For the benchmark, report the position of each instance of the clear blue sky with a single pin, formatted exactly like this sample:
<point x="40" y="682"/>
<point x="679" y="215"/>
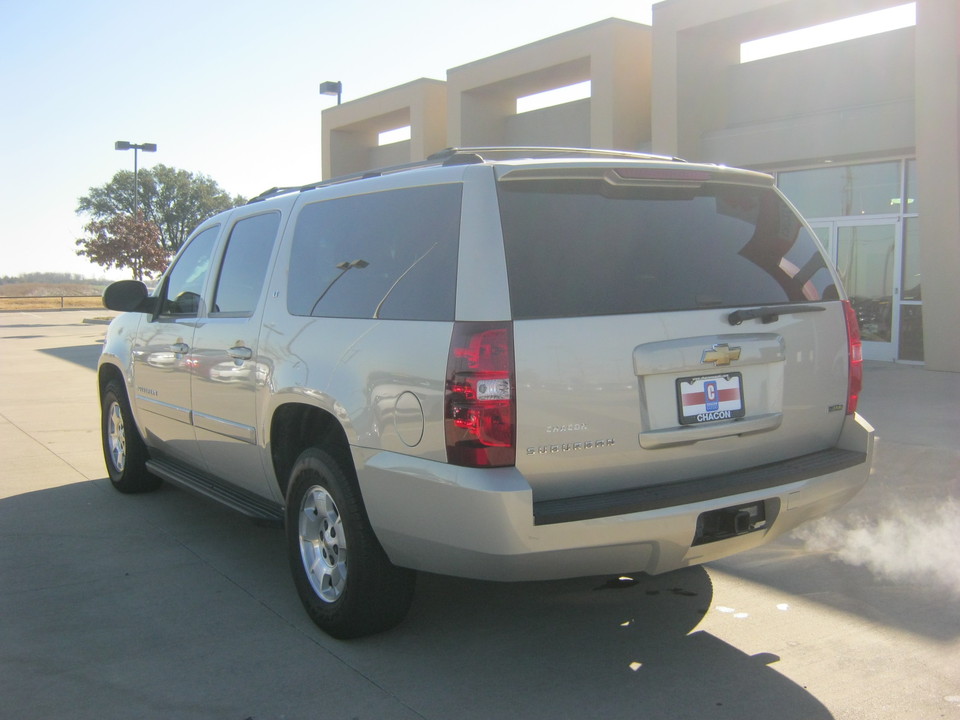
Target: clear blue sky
<point x="226" y="89"/>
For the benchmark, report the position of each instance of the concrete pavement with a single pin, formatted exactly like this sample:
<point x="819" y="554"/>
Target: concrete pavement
<point x="166" y="606"/>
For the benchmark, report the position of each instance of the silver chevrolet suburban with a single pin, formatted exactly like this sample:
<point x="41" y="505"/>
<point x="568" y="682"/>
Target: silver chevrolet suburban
<point x="500" y="363"/>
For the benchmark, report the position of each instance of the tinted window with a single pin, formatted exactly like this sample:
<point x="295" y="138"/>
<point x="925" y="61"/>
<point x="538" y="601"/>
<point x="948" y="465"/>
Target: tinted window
<point x="588" y="248"/>
<point x="185" y="284"/>
<point x="391" y="255"/>
<point x="245" y="263"/>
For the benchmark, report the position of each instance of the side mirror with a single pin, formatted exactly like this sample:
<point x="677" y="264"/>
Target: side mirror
<point x="128" y="296"/>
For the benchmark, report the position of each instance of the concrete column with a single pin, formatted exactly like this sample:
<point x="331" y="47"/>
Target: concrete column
<point x="428" y="122"/>
<point x="620" y="89"/>
<point x="938" y="178"/>
<point x="665" y="107"/>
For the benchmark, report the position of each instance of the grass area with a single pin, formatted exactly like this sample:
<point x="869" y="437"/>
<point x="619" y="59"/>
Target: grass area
<point x="50" y="296"/>
<point x="87" y="302"/>
<point x="42" y="289"/>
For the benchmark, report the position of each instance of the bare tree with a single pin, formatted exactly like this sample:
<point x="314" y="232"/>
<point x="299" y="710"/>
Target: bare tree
<point x="124" y="241"/>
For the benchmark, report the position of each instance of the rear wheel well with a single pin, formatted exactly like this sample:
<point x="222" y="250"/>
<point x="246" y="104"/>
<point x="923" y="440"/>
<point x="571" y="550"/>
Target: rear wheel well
<point x="298" y="427"/>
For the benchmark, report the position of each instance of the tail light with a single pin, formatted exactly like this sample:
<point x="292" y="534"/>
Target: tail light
<point x="855" y="350"/>
<point x="480" y="400"/>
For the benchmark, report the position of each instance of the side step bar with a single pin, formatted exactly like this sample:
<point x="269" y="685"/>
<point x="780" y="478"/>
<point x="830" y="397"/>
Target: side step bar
<point x="238" y="499"/>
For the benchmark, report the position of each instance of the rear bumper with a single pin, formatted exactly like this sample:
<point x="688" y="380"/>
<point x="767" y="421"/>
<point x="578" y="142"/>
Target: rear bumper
<point x="484" y="524"/>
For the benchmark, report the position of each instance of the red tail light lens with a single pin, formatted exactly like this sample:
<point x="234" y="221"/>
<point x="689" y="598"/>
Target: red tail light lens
<point x="480" y="397"/>
<point x="855" y="349"/>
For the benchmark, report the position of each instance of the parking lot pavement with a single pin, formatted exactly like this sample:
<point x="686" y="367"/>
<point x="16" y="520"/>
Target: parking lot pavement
<point x="165" y="606"/>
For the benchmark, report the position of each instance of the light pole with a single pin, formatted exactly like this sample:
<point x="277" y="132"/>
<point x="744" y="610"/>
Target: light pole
<point x="146" y="147"/>
<point x="332" y="87"/>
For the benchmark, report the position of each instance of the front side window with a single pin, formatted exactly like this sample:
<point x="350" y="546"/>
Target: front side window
<point x="245" y="262"/>
<point x="184" y="286"/>
<point x="583" y="248"/>
<point x="390" y="255"/>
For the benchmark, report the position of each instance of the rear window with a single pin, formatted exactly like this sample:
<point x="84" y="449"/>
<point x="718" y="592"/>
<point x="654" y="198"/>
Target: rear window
<point x="390" y="255"/>
<point x="586" y="247"/>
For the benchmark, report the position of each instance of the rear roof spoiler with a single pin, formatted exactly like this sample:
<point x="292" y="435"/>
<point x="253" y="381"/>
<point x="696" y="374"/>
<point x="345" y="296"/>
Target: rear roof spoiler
<point x="473" y="156"/>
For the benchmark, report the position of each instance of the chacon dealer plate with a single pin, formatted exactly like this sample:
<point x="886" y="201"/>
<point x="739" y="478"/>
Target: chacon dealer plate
<point x="710" y="398"/>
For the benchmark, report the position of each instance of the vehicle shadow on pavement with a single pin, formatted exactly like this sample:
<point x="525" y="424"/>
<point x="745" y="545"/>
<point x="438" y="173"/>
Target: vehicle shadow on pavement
<point x="180" y="608"/>
<point x="589" y="647"/>
<point x="84" y="355"/>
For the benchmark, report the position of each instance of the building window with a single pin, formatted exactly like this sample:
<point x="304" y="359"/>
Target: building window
<point x="866" y="218"/>
<point x="911" y="202"/>
<point x="911" y="260"/>
<point x="844" y="190"/>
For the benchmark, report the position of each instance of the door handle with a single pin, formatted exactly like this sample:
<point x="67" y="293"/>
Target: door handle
<point x="240" y="353"/>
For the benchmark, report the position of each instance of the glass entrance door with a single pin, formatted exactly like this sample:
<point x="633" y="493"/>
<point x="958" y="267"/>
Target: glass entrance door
<point x="867" y="254"/>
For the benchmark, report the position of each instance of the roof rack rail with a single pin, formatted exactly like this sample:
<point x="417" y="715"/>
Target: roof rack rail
<point x="466" y="155"/>
<point x="362" y="175"/>
<point x="469" y="156"/>
<point x="273" y="192"/>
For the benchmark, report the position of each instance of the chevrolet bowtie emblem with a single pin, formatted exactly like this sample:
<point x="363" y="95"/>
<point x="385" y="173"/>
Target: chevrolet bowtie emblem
<point x="721" y="354"/>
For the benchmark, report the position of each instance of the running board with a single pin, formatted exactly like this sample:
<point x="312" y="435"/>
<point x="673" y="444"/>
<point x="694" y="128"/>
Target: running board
<point x="238" y="499"/>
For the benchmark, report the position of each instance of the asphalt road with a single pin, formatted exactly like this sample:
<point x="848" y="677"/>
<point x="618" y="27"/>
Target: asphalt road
<point x="166" y="606"/>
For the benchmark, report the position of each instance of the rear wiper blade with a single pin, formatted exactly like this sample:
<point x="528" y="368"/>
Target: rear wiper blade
<point x="770" y="313"/>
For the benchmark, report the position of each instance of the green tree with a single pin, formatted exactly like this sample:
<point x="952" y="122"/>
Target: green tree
<point x="176" y="201"/>
<point x="125" y="241"/>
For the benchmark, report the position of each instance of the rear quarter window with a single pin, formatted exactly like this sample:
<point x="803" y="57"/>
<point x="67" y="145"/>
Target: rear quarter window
<point x="585" y="247"/>
<point x="390" y="255"/>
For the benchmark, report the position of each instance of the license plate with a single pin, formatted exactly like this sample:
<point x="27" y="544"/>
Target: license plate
<point x="710" y="398"/>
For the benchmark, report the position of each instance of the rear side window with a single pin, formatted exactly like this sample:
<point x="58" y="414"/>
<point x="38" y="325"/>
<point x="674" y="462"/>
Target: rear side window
<point x="390" y="255"/>
<point x="245" y="264"/>
<point x="586" y="247"/>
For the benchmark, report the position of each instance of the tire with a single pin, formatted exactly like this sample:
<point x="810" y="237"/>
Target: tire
<point x="124" y="451"/>
<point x="346" y="583"/>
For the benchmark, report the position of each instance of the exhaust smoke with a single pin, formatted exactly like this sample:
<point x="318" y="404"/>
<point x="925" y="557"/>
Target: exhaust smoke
<point x="916" y="543"/>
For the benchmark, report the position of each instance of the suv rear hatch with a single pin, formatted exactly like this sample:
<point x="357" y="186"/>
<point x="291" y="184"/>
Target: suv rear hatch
<point x="671" y="323"/>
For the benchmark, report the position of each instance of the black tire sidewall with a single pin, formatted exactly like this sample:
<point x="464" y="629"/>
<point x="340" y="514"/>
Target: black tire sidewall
<point x="377" y="594"/>
<point x="109" y="399"/>
<point x="134" y="478"/>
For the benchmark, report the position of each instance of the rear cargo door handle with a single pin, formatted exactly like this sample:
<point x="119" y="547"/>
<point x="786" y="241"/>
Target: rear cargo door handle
<point x="239" y="352"/>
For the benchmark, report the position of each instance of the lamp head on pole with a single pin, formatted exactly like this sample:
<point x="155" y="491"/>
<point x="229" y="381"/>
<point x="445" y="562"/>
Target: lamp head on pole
<point x="146" y="147"/>
<point x="125" y="145"/>
<point x="332" y="87"/>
